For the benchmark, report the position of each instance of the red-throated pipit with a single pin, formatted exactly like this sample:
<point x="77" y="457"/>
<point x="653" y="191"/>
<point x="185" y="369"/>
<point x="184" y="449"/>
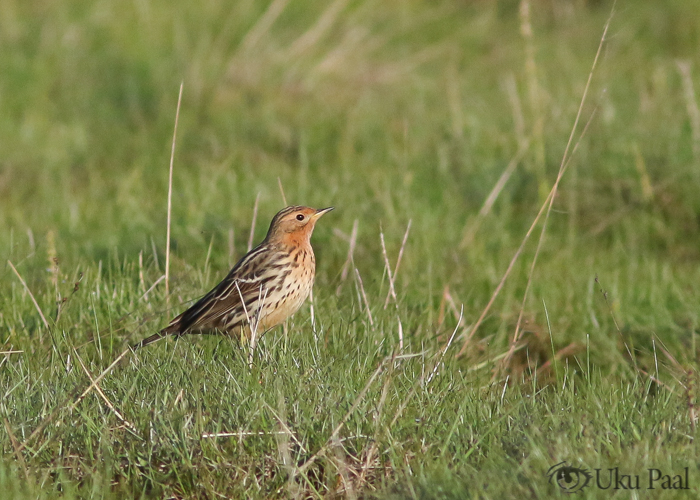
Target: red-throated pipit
<point x="267" y="286"/>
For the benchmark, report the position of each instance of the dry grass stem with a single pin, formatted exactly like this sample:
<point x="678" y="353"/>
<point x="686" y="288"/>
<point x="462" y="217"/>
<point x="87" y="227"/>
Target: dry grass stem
<point x="547" y="205"/>
<point x="178" y="398"/>
<point x="252" y="324"/>
<point x="691" y="104"/>
<point x="60" y="408"/>
<point x="231" y="247"/>
<point x="347" y="415"/>
<point x="471" y="229"/>
<point x="52" y="257"/>
<point x="170" y="196"/>
<point x="656" y="359"/>
<point x="364" y="297"/>
<point x="511" y="88"/>
<point x="31" y="295"/>
<point x="534" y="92"/>
<point x="284" y="198"/>
<point x="446" y="300"/>
<point x="207" y="259"/>
<point x="283" y="443"/>
<point x="387" y="267"/>
<point x="644" y="177"/>
<point x="252" y="224"/>
<point x="344" y="470"/>
<point x="314" y="34"/>
<point x="284" y="428"/>
<point x="155" y="283"/>
<point x="265" y="22"/>
<point x="103" y="396"/>
<point x="490" y="361"/>
<point x="446" y="347"/>
<point x="658" y="382"/>
<point x="691" y="398"/>
<point x="142" y="282"/>
<point x="96" y="381"/>
<point x="437" y="359"/>
<point x="670" y="357"/>
<point x="16" y="448"/>
<point x="41" y="427"/>
<point x="312" y="312"/>
<point x="240" y="434"/>
<point x="617" y="326"/>
<point x="398" y="260"/>
<point x="349" y="260"/>
<point x="369" y="457"/>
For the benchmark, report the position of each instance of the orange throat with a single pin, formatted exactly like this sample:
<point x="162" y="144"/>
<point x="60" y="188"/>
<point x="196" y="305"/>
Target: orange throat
<point x="297" y="239"/>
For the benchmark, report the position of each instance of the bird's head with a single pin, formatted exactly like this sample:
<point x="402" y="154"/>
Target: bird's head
<point x="294" y="223"/>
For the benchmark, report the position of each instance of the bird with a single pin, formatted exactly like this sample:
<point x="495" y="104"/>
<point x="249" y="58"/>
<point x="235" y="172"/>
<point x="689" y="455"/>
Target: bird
<point x="267" y="286"/>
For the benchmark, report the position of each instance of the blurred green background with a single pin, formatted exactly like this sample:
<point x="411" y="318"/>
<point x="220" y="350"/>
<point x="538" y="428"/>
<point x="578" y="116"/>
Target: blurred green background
<point x="413" y="108"/>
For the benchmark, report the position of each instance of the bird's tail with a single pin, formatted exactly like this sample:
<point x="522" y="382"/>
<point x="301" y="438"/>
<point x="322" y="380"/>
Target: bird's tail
<point x="172" y="329"/>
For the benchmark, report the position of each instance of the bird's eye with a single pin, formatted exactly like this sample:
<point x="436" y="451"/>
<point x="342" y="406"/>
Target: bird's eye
<point x="300" y="217"/>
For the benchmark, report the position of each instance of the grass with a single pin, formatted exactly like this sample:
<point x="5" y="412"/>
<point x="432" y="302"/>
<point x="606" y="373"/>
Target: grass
<point x="395" y="113"/>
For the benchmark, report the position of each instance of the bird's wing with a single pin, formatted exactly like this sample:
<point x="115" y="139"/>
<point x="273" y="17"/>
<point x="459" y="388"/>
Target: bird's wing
<point x="237" y="299"/>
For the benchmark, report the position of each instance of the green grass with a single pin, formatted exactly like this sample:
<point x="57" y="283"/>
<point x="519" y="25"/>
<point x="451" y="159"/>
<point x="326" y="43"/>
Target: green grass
<point x="391" y="112"/>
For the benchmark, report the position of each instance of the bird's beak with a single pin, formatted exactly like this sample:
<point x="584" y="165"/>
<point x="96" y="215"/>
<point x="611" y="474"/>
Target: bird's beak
<point x="320" y="212"/>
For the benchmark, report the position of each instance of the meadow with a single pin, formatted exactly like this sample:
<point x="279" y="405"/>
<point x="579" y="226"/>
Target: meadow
<point x="509" y="279"/>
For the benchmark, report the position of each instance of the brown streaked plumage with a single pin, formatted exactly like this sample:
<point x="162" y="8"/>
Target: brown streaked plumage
<point x="267" y="286"/>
